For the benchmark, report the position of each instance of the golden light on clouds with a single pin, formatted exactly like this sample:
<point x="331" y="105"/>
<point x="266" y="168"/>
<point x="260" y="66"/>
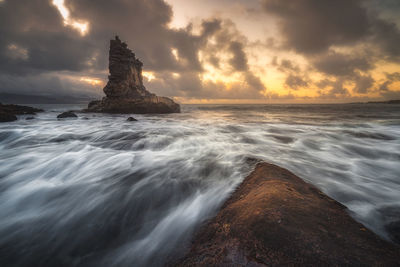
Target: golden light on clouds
<point x="210" y="50"/>
<point x="149" y="75"/>
<point x="174" y="52"/>
<point x="91" y="81"/>
<point x="17" y="52"/>
<point x="81" y="26"/>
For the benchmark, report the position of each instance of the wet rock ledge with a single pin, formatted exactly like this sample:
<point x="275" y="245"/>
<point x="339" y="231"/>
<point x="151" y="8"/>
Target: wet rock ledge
<point x="274" y="218"/>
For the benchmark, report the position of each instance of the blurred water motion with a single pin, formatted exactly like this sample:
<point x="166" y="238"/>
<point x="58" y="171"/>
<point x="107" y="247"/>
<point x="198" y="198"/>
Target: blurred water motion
<point x="107" y="192"/>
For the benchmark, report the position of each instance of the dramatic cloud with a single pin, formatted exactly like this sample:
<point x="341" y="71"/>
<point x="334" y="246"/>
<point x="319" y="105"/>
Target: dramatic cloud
<point x="295" y="82"/>
<point x="342" y="40"/>
<point x="285" y="65"/>
<point x="267" y="49"/>
<point x="390" y="79"/>
<point x="363" y="84"/>
<point x="339" y="64"/>
<point x="312" y="26"/>
<point x="239" y="59"/>
<point x="335" y="88"/>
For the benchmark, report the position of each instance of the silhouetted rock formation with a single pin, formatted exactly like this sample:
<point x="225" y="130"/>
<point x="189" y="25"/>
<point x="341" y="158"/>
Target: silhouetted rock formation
<point x="276" y="219"/>
<point x="8" y="112"/>
<point x="7" y="117"/>
<point x="131" y="119"/>
<point x="125" y="92"/>
<point x="67" y="114"/>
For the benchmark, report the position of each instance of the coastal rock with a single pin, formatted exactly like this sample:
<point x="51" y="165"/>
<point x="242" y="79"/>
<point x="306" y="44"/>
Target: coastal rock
<point x="131" y="119"/>
<point x="19" y="110"/>
<point x="8" y="112"/>
<point x="125" y="92"/>
<point x="7" y="117"/>
<point x="274" y="218"/>
<point x="67" y="114"/>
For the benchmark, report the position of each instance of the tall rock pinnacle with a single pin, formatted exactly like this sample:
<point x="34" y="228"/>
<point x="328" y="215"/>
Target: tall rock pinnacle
<point x="125" y="92"/>
<point x="125" y="78"/>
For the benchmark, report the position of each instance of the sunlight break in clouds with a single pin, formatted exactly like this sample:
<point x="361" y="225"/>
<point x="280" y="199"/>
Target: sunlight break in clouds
<point x="81" y="26"/>
<point x="149" y="75"/>
<point x="92" y="81"/>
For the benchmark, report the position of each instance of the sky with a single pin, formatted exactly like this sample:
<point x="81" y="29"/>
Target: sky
<point x="207" y="51"/>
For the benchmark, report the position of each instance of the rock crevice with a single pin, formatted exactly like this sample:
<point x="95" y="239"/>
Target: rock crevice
<point x="125" y="92"/>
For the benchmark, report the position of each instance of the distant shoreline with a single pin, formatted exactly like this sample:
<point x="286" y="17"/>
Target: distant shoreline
<point x="397" y="101"/>
<point x="9" y="98"/>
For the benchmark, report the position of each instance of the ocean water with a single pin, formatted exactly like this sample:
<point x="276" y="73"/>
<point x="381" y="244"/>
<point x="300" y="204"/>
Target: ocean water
<point x="101" y="191"/>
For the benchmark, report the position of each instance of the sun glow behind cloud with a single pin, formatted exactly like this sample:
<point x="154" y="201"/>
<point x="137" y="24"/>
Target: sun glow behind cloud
<point x="81" y="26"/>
<point x="149" y="75"/>
<point x="92" y="81"/>
<point x="17" y="52"/>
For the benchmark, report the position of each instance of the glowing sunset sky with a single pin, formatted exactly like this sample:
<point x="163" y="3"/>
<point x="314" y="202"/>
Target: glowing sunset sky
<point x="207" y="51"/>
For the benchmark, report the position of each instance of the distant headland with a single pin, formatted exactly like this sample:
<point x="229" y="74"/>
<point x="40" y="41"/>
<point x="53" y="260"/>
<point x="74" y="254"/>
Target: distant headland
<point x="396" y="101"/>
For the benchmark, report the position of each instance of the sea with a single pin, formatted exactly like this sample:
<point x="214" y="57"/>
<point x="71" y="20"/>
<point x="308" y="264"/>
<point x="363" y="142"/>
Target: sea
<point x="103" y="191"/>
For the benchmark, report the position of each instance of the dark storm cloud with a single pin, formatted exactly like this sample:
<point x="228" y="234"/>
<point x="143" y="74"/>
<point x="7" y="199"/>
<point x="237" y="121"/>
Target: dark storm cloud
<point x="210" y="27"/>
<point x="335" y="88"/>
<point x="285" y="65"/>
<point x="35" y="41"/>
<point x="388" y="38"/>
<point x="226" y="40"/>
<point x="384" y="89"/>
<point x="288" y="65"/>
<point x="214" y="61"/>
<point x="36" y="28"/>
<point x="390" y="79"/>
<point x="316" y="28"/>
<point x="239" y="58"/>
<point x="363" y="83"/>
<point x="339" y="64"/>
<point x="254" y="83"/>
<point x="312" y="26"/>
<point x="295" y="81"/>
<point x="141" y="24"/>
<point x="45" y="84"/>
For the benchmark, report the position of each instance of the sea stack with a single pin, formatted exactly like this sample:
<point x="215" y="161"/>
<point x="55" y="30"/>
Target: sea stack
<point x="125" y="92"/>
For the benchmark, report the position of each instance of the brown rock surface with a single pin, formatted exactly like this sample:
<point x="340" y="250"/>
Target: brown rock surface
<point x="274" y="218"/>
<point x="125" y="92"/>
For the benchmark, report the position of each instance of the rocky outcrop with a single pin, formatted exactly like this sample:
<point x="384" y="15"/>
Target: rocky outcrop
<point x="67" y="114"/>
<point x="131" y="119"/>
<point x="125" y="92"/>
<point x="18" y="110"/>
<point x="7" y="117"/>
<point x="276" y="219"/>
<point x="8" y="112"/>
